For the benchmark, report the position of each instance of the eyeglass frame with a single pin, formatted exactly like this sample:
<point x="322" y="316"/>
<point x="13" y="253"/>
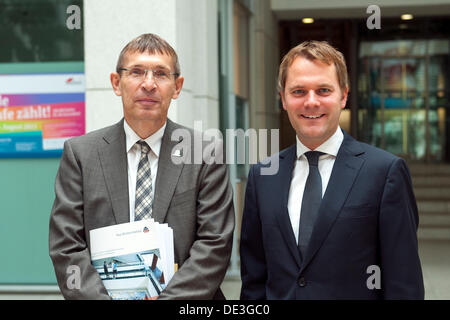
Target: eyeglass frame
<point x="146" y="72"/>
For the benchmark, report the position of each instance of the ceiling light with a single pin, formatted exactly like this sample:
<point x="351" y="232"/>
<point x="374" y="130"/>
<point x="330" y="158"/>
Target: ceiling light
<point x="308" y="20"/>
<point x="406" y="16"/>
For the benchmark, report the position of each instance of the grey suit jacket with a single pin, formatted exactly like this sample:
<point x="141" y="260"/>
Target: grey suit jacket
<point x="91" y="191"/>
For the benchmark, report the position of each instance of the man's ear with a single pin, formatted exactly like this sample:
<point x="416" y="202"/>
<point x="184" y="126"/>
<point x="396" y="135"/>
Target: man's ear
<point x="344" y="98"/>
<point x="282" y="100"/>
<point x="115" y="82"/>
<point x="178" y="86"/>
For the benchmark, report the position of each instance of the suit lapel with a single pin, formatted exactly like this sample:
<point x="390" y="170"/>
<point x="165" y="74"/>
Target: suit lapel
<point x="343" y="175"/>
<point x="168" y="173"/>
<point x="287" y="162"/>
<point x="113" y="159"/>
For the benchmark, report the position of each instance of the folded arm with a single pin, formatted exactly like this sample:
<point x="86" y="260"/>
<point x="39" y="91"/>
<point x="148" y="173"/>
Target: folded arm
<point x="203" y="271"/>
<point x="67" y="244"/>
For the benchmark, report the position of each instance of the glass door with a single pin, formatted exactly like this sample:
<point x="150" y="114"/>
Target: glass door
<point x="403" y="97"/>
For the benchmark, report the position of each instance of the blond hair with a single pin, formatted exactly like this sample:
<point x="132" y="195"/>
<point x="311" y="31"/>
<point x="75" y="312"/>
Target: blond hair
<point x="315" y="50"/>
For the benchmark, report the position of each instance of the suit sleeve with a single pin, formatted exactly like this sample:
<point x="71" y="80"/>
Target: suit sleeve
<point x="253" y="261"/>
<point x="76" y="276"/>
<point x="202" y="273"/>
<point x="401" y="273"/>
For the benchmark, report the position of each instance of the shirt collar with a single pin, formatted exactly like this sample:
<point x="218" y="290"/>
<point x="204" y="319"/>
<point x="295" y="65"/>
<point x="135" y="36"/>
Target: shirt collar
<point x="330" y="146"/>
<point x="154" y="141"/>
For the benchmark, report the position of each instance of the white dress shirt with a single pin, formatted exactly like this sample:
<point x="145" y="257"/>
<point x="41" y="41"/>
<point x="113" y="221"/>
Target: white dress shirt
<point x="134" y="155"/>
<point x="301" y="171"/>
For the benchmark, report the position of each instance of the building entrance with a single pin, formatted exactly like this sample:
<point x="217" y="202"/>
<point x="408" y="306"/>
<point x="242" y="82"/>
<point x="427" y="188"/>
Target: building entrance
<point x="403" y="97"/>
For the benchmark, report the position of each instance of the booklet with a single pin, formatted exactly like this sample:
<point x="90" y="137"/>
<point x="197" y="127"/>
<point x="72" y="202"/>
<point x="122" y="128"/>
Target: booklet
<point x="134" y="260"/>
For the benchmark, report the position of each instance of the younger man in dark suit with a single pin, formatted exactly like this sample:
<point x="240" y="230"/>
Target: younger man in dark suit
<point x="339" y="219"/>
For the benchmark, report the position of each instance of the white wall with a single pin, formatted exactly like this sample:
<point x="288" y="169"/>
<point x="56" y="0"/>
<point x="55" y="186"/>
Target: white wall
<point x="264" y="113"/>
<point x="197" y="46"/>
<point x="189" y="26"/>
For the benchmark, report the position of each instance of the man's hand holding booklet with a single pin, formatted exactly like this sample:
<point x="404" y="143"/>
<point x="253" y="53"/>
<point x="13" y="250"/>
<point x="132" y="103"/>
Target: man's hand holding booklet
<point x="134" y="260"/>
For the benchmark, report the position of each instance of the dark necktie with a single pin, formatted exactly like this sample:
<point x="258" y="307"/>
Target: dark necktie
<point x="144" y="198"/>
<point x="312" y="196"/>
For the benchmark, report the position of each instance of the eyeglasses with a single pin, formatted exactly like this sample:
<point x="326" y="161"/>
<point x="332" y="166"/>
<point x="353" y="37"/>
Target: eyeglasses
<point x="139" y="74"/>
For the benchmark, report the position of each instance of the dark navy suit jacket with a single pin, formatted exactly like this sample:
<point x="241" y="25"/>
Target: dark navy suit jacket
<point x="368" y="217"/>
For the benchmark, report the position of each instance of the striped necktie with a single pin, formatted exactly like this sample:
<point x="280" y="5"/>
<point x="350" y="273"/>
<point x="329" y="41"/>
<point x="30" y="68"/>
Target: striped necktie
<point x="144" y="197"/>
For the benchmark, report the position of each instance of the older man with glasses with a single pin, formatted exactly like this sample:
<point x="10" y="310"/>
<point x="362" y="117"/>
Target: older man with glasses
<point x="125" y="173"/>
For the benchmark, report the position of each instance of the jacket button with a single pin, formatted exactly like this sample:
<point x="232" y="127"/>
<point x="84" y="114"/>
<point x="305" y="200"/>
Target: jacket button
<point x="301" y="282"/>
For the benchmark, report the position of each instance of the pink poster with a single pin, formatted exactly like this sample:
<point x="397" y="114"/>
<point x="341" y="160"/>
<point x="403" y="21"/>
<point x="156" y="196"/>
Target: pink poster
<point x="38" y="112"/>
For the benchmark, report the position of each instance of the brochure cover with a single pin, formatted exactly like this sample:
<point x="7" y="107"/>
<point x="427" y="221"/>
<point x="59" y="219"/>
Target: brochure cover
<point x="134" y="260"/>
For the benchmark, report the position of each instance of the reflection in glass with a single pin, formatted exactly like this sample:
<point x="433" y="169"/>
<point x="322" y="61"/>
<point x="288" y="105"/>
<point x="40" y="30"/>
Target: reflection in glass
<point x="403" y="97"/>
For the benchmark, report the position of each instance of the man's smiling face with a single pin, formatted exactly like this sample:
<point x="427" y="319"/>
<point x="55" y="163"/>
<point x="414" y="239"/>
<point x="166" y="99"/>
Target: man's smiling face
<point x="313" y="100"/>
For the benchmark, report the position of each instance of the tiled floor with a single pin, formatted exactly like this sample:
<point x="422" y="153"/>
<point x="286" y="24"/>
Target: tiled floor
<point x="435" y="259"/>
